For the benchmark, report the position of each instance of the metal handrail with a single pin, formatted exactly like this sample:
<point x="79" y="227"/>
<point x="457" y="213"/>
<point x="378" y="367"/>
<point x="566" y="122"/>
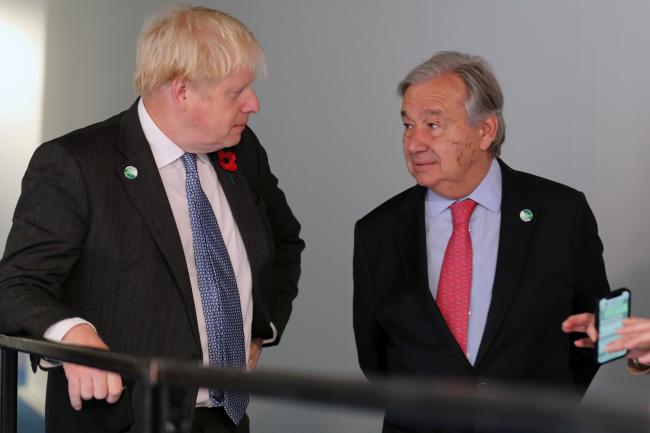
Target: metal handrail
<point x="496" y="406"/>
<point x="132" y="366"/>
<point x="8" y="390"/>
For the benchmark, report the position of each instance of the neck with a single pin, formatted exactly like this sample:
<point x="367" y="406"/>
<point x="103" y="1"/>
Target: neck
<point x="473" y="178"/>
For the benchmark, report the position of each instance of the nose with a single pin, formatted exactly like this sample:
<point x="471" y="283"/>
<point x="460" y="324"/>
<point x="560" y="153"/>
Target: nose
<point x="251" y="103"/>
<point x="415" y="140"/>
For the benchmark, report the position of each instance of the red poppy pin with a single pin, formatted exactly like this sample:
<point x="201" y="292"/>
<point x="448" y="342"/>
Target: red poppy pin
<point x="227" y="160"/>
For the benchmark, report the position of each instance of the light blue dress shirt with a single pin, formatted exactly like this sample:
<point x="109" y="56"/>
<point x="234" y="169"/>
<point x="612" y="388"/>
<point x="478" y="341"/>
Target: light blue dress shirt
<point x="484" y="226"/>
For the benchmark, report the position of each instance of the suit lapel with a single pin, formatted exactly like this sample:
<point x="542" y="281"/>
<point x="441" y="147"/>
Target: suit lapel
<point x="149" y="199"/>
<point x="243" y="206"/>
<point x="410" y="237"/>
<point x="514" y="244"/>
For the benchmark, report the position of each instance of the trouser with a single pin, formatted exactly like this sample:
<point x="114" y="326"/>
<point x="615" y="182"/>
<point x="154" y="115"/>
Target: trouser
<point x="215" y="420"/>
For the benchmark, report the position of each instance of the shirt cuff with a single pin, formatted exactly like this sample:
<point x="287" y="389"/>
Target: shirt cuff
<point x="57" y="331"/>
<point x="275" y="335"/>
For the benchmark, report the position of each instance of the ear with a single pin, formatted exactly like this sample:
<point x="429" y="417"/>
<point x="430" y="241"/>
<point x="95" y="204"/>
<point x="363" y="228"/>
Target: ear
<point x="180" y="91"/>
<point x="488" y="128"/>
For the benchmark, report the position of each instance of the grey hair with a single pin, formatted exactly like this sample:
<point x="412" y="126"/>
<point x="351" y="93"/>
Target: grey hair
<point x="484" y="96"/>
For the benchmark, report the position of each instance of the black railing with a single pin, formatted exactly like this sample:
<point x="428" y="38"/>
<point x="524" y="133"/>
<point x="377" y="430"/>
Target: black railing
<point x="8" y="389"/>
<point x="496" y="407"/>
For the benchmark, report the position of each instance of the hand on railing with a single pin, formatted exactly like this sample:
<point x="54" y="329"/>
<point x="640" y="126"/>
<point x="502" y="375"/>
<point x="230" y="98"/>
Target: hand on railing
<point x="85" y="383"/>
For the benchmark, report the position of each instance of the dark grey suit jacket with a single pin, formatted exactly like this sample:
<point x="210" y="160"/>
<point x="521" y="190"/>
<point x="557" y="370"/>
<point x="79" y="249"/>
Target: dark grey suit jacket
<point x="87" y="241"/>
<point x="547" y="269"/>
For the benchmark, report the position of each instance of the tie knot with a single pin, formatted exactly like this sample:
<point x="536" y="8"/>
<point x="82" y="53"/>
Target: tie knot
<point x="462" y="210"/>
<point x="189" y="160"/>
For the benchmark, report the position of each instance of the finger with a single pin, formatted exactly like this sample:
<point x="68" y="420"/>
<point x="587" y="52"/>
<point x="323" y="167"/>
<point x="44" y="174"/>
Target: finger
<point x="575" y="327"/>
<point x="569" y="325"/>
<point x="644" y="359"/>
<point x="578" y="322"/>
<point x="100" y="387"/>
<point x="636" y="354"/>
<point x="115" y="389"/>
<point x="584" y="343"/>
<point x="73" y="393"/>
<point x="633" y="320"/>
<point x="640" y="341"/>
<point x="633" y="327"/>
<point x="592" y="333"/>
<point x="85" y="383"/>
<point x="615" y="346"/>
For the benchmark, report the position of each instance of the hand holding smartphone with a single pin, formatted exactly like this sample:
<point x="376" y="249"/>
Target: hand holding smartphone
<point x="610" y="312"/>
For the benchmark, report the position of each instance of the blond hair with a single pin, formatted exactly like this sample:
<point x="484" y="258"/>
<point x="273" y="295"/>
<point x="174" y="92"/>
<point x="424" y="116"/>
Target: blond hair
<point x="194" y="43"/>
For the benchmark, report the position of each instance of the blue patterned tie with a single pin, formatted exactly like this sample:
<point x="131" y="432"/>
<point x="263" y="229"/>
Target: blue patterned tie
<point x="218" y="288"/>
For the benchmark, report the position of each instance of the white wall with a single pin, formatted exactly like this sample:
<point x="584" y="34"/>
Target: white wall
<point x="22" y="39"/>
<point x="574" y="75"/>
<point x="22" y="44"/>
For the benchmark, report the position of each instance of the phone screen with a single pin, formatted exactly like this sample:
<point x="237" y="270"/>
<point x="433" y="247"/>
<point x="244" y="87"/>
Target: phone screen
<point x="611" y="312"/>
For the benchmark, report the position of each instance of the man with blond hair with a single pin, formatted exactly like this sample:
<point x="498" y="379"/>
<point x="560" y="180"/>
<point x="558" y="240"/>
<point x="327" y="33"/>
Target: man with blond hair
<point x="158" y="232"/>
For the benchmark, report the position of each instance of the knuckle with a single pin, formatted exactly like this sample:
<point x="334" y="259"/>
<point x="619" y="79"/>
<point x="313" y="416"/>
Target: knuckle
<point x="99" y="392"/>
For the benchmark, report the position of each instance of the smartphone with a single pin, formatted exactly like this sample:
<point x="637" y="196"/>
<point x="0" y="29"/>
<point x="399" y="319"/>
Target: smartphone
<point x="610" y="312"/>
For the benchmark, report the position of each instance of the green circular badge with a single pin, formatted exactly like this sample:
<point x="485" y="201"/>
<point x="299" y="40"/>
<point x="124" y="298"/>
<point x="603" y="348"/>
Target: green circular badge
<point x="130" y="172"/>
<point x="526" y="215"/>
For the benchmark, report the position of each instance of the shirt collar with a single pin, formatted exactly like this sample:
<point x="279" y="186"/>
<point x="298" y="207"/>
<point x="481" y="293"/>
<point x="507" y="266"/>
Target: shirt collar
<point x="486" y="194"/>
<point x="164" y="150"/>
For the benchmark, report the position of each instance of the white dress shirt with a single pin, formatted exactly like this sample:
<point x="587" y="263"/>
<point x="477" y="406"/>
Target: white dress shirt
<point x="172" y="172"/>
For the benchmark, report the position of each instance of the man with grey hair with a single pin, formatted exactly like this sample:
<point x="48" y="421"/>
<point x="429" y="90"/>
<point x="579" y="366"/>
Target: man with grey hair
<point x="470" y="273"/>
<point x="160" y="232"/>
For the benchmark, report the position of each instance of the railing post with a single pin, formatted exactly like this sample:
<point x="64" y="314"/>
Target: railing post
<point x="152" y="400"/>
<point x="152" y="408"/>
<point x="165" y="405"/>
<point x="8" y="389"/>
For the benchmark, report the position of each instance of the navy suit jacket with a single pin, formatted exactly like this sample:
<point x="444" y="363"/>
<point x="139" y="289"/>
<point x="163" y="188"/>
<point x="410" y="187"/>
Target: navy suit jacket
<point x="547" y="269"/>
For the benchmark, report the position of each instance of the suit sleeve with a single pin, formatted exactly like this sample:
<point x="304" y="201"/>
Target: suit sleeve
<point x="367" y="333"/>
<point x="287" y="243"/>
<point x="48" y="231"/>
<point x="591" y="284"/>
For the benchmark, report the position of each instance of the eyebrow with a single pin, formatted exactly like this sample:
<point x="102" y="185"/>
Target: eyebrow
<point x="432" y="111"/>
<point x="427" y="112"/>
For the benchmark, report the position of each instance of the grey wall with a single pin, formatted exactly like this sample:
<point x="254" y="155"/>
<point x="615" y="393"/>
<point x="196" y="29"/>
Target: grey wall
<point x="573" y="72"/>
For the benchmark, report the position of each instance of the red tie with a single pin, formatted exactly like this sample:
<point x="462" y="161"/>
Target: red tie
<point x="456" y="274"/>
